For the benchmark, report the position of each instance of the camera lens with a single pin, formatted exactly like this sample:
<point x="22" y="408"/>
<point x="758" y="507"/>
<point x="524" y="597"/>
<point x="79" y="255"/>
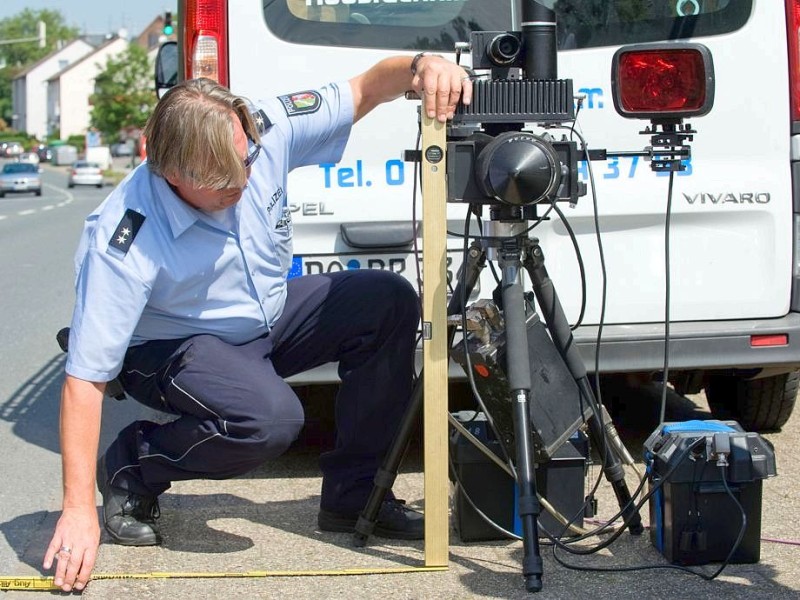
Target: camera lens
<point x="503" y="49"/>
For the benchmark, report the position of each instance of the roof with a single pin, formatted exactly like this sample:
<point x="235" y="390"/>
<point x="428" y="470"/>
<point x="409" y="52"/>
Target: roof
<point x="31" y="67"/>
<point x="83" y="59"/>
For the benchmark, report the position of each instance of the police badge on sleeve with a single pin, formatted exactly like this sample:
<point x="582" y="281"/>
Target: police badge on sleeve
<point x="301" y="103"/>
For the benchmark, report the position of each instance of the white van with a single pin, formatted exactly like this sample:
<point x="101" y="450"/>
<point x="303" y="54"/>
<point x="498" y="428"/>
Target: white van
<point x="100" y="155"/>
<point x="735" y="211"/>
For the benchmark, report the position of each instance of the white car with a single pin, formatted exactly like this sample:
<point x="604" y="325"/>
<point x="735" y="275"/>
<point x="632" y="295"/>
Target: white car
<point x="85" y="173"/>
<point x="20" y="178"/>
<point x="29" y="157"/>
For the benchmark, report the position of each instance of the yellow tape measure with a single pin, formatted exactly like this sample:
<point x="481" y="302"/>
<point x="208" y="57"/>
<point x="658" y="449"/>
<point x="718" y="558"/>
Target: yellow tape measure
<point x="46" y="583"/>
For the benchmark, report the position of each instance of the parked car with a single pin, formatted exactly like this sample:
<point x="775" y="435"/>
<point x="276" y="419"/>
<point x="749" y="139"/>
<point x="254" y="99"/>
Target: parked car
<point x="20" y="177"/>
<point x="12" y="149"/>
<point x="122" y="149"/>
<point x="85" y="173"/>
<point x="29" y="157"/>
<point x="44" y="153"/>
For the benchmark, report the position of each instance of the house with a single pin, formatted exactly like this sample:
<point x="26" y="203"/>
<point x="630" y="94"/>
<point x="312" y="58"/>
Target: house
<point x="29" y="88"/>
<point x="51" y="95"/>
<point x="69" y="90"/>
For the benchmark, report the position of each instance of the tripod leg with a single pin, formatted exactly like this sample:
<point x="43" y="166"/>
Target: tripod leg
<point x="519" y="380"/>
<point x="387" y="473"/>
<point x="559" y="329"/>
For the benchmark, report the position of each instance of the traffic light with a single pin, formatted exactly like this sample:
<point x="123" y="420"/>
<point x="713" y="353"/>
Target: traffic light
<point x="169" y="29"/>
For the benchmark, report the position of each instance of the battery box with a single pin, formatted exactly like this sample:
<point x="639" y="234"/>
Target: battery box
<point x="560" y="480"/>
<point x="693" y="518"/>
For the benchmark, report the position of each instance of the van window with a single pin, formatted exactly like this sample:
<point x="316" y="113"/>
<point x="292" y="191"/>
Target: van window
<point x="438" y="24"/>
<point x="592" y="23"/>
<point x="387" y="24"/>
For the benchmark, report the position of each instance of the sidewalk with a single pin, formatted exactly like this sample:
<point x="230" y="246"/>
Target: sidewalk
<point x="267" y="523"/>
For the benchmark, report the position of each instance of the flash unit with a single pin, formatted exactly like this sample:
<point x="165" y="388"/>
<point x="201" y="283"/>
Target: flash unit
<point x="662" y="81"/>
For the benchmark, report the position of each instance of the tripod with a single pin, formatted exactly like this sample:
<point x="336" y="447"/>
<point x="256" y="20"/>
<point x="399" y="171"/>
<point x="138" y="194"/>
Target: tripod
<point x="514" y="250"/>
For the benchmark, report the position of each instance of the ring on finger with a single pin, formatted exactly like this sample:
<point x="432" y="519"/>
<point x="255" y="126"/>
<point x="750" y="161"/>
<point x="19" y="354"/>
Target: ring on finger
<point x="65" y="550"/>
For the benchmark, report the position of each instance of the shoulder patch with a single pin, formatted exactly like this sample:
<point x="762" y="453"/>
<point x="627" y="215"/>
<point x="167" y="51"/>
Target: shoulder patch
<point x="126" y="231"/>
<point x="262" y="121"/>
<point x="301" y="103"/>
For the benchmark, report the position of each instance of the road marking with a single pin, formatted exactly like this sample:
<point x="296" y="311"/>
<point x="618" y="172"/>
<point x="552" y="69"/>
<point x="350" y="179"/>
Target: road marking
<point x="30" y="211"/>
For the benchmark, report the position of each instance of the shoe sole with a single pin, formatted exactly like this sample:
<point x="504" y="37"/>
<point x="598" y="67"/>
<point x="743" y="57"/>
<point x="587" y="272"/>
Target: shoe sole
<point x="344" y="525"/>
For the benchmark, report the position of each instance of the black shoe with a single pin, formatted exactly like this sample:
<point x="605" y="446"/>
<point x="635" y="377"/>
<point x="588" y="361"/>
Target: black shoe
<point x="130" y="519"/>
<point x="395" y="521"/>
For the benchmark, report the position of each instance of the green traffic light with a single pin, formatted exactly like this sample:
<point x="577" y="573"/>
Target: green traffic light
<point x="168" y="28"/>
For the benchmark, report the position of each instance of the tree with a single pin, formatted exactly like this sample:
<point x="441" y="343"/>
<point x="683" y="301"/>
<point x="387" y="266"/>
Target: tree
<point x="17" y="56"/>
<point x="123" y="96"/>
<point x="25" y="25"/>
<point x="5" y="98"/>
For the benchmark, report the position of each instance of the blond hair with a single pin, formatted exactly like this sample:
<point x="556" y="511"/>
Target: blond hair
<point x="190" y="135"/>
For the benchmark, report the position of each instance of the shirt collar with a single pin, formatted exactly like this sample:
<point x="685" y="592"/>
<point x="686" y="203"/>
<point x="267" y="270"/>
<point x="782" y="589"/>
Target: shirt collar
<point x="180" y="215"/>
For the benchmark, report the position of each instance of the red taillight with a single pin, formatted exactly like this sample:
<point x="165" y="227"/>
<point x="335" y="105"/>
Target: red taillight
<point x="663" y="80"/>
<point x="793" y="35"/>
<point x="205" y="39"/>
<point x="760" y="341"/>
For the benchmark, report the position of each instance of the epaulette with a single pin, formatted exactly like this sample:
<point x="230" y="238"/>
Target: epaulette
<point x="126" y="231"/>
<point x="262" y="121"/>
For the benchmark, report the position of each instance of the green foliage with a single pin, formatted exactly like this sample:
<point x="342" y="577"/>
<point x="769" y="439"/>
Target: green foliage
<point x="25" y="25"/>
<point x="19" y="55"/>
<point x="123" y="95"/>
<point x="5" y="99"/>
<point x="26" y="141"/>
<point x="79" y="141"/>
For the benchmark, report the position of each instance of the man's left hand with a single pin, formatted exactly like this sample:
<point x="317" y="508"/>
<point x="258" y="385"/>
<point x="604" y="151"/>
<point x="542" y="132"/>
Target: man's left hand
<point x="440" y="83"/>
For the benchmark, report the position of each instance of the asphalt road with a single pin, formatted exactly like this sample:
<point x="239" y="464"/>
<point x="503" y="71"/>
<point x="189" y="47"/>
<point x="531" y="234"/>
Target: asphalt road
<point x="265" y="523"/>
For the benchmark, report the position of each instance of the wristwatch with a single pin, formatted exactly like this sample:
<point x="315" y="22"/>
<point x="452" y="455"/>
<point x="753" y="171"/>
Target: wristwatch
<point x="416" y="59"/>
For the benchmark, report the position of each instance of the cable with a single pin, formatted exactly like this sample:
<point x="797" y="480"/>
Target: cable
<point x="417" y="174"/>
<point x="616" y="534"/>
<point x="604" y="288"/>
<point x="667" y="295"/>
<point x="601" y="253"/>
<point x="581" y="266"/>
<point x="656" y="487"/>
<point x="470" y="376"/>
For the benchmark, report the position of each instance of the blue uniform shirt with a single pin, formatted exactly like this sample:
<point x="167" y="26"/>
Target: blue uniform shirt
<point x="186" y="273"/>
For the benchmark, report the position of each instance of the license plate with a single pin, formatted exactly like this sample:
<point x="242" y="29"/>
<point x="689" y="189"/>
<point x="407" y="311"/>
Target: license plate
<point x="402" y="264"/>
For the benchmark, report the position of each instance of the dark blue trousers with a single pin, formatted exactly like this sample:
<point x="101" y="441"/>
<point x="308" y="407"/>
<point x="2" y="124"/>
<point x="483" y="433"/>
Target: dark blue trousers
<point x="234" y="409"/>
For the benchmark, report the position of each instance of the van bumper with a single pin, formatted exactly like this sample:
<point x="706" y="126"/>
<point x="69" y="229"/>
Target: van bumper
<point x="701" y="345"/>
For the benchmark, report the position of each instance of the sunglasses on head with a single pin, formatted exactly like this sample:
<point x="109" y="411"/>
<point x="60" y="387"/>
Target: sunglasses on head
<point x="253" y="149"/>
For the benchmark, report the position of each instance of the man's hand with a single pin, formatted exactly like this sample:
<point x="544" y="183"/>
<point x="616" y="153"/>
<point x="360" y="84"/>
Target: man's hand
<point x="74" y="547"/>
<point x="77" y="534"/>
<point x="440" y="83"/>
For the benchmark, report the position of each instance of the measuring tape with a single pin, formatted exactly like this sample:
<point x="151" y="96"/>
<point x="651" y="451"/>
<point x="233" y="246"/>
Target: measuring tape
<point x="46" y="583"/>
